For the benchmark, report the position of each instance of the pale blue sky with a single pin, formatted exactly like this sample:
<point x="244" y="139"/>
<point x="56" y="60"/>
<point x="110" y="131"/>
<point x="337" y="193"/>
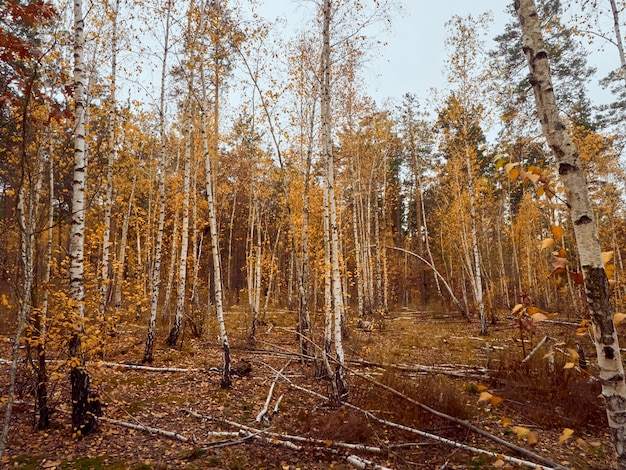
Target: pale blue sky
<point x="413" y="60"/>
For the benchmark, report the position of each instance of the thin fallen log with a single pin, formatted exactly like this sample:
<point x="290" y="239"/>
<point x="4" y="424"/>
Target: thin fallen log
<point x="288" y="437"/>
<point x="360" y="462"/>
<point x="466" y="424"/>
<point x="128" y="366"/>
<point x="142" y="427"/>
<point x="544" y="462"/>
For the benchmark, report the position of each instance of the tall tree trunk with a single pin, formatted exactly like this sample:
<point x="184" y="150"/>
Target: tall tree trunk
<point x="184" y="243"/>
<point x="584" y="223"/>
<point x="327" y="151"/>
<point x="105" y="282"/>
<point x="43" y="410"/>
<point x="83" y="421"/>
<point x="155" y="278"/>
<point x="121" y="258"/>
<point x="211" y="152"/>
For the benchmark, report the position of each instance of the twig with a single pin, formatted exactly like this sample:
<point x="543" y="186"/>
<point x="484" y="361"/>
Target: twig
<point x="535" y="349"/>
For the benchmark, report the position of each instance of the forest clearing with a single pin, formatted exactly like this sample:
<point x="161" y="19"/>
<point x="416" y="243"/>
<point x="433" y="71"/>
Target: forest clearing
<point x="248" y="262"/>
<point x="433" y="358"/>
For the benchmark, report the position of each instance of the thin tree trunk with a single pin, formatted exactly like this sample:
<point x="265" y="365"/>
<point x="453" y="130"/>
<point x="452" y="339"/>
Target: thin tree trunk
<point x="184" y="243"/>
<point x="212" y="151"/>
<point x="327" y="150"/>
<point x="121" y="261"/>
<point x="584" y="223"/>
<point x="105" y="282"/>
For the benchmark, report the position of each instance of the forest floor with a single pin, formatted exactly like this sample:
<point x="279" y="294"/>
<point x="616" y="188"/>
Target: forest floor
<point x="438" y="360"/>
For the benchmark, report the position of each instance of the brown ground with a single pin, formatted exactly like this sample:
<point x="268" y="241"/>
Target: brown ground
<point x="533" y="398"/>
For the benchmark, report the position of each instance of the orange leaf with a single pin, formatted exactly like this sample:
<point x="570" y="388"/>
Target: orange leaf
<point x="557" y="231"/>
<point x="607" y="256"/>
<point x="547" y="243"/>
<point x="485" y="396"/>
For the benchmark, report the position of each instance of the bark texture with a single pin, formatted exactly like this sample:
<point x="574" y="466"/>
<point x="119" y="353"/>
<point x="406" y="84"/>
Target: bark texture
<point x="577" y="195"/>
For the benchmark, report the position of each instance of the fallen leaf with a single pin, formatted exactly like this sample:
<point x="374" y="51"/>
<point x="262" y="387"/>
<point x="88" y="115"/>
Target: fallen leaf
<point x="517" y="308"/>
<point x="498" y="463"/>
<point x="569" y="365"/>
<point x="485" y="396"/>
<point x="567" y="433"/>
<point x="506" y="421"/>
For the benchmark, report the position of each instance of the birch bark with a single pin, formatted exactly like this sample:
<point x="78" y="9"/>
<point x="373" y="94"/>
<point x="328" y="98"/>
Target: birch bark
<point x="82" y="420"/>
<point x="155" y="278"/>
<point x="584" y="222"/>
<point x="327" y="151"/>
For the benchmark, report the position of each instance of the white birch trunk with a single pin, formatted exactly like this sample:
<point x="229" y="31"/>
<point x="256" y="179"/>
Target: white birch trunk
<point x="584" y="223"/>
<point x="121" y="259"/>
<point x="184" y="235"/>
<point x="215" y="249"/>
<point x="327" y="151"/>
<point x="155" y="278"/>
<point x="105" y="282"/>
<point x="82" y="420"/>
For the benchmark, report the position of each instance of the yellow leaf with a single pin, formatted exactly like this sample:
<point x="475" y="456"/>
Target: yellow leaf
<point x="595" y="444"/>
<point x="569" y="365"/>
<point x="482" y="388"/>
<point x="509" y="166"/>
<point x="547" y="243"/>
<point x="520" y="431"/>
<point x="500" y="163"/>
<point x="548" y="355"/>
<point x="532" y="438"/>
<point x="498" y="463"/>
<point x="534" y="177"/>
<point x="485" y="396"/>
<point x="618" y="318"/>
<point x="573" y="355"/>
<point x="557" y="231"/>
<point x="567" y="433"/>
<point x="517" y="308"/>
<point x="607" y="256"/>
<point x="537" y="317"/>
<point x="506" y="421"/>
<point x="540" y="191"/>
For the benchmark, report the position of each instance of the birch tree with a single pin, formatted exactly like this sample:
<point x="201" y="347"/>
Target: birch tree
<point x="155" y="279"/>
<point x="83" y="420"/>
<point x="340" y="386"/>
<point x="584" y="222"/>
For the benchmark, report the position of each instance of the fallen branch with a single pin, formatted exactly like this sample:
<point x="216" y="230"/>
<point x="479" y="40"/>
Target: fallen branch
<point x="126" y="366"/>
<point x="535" y="349"/>
<point x="266" y="407"/>
<point x="141" y="427"/>
<point x="360" y="462"/>
<point x="288" y="437"/>
<point x="544" y="462"/>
